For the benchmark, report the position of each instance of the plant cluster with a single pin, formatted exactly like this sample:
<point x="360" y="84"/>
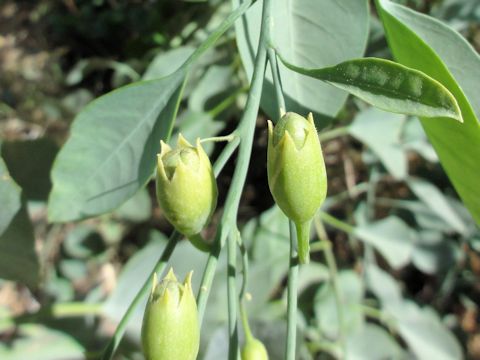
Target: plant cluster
<point x="266" y="273"/>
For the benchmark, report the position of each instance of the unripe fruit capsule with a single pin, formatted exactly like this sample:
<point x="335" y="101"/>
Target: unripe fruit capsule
<point x="186" y="186"/>
<point x="296" y="173"/>
<point x="254" y="350"/>
<point x="170" y="328"/>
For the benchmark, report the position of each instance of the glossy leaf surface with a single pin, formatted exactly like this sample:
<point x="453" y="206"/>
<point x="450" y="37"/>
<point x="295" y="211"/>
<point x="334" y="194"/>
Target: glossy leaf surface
<point x="423" y="43"/>
<point x="388" y="86"/>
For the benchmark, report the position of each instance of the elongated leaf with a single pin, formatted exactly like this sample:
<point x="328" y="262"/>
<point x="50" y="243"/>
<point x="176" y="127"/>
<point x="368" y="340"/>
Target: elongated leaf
<point x="426" y="44"/>
<point x="437" y="202"/>
<point x="391" y="237"/>
<point x="423" y="331"/>
<point x="33" y="341"/>
<point x="10" y="197"/>
<point x="388" y="86"/>
<point x="308" y="33"/>
<point x="325" y="307"/>
<point x="30" y="163"/>
<point x="380" y="131"/>
<point x="18" y="260"/>
<point x="112" y="147"/>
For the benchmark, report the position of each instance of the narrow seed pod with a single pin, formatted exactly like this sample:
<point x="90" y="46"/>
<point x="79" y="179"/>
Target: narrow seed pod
<point x="296" y="173"/>
<point x="170" y="328"/>
<point x="186" y="187"/>
<point x="254" y="350"/>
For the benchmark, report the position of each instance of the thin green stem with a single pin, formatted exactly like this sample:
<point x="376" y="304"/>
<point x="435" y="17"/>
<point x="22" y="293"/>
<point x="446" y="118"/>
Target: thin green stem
<point x="333" y="272"/>
<point x="75" y="309"/>
<point x="200" y="243"/>
<point x="226" y="138"/>
<point x="159" y="268"/>
<point x="334" y="133"/>
<point x="381" y="316"/>
<point x="272" y="59"/>
<point x="224" y="104"/>
<point x="303" y="241"/>
<point x="209" y="274"/>
<point x="292" y="286"/>
<point x="245" y="324"/>
<point x="225" y="155"/>
<point x="243" y="310"/>
<point x="56" y="311"/>
<point x="232" y="296"/>
<point x="244" y="253"/>
<point x="245" y="129"/>
<point x="336" y="223"/>
<point x="215" y="35"/>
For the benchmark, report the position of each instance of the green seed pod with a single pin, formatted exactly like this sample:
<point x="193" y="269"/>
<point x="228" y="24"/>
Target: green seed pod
<point x="296" y="173"/>
<point x="170" y="328"/>
<point x="186" y="186"/>
<point x="254" y="350"/>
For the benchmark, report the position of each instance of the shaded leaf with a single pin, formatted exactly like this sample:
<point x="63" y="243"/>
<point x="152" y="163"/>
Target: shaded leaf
<point x="391" y="237"/>
<point x="437" y="202"/>
<point x="268" y="240"/>
<point x="41" y="343"/>
<point x="381" y="132"/>
<point x="136" y="209"/>
<point x="325" y="306"/>
<point x="10" y="197"/>
<point x="18" y="260"/>
<point x="29" y="163"/>
<point x="426" y="336"/>
<point x="372" y="343"/>
<point x="83" y="241"/>
<point x="382" y="285"/>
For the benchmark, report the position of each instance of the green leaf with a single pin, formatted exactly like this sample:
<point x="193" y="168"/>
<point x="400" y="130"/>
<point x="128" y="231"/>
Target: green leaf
<point x="434" y="253"/>
<point x="197" y="124"/>
<point x="382" y="285"/>
<point x="267" y="237"/>
<point x="391" y="237"/>
<point x="372" y="343"/>
<point x="38" y="342"/>
<point x="18" y="260"/>
<point x="83" y="241"/>
<point x="166" y="63"/>
<point x="437" y="202"/>
<point x="352" y="292"/>
<point x="425" y="44"/>
<point x="137" y="209"/>
<point x="307" y="33"/>
<point x="423" y="331"/>
<point x="381" y="132"/>
<point x="29" y="163"/>
<point x="388" y="86"/>
<point x="10" y="197"/>
<point x="111" y="150"/>
<point x="217" y="79"/>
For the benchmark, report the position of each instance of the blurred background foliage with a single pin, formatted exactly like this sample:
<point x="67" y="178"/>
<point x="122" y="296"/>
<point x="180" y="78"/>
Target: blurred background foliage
<point x="409" y="267"/>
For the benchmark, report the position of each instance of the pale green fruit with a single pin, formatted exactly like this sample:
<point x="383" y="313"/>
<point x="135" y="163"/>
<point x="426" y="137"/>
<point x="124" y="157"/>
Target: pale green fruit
<point x="296" y="173"/>
<point x="254" y="350"/>
<point x="170" y="328"/>
<point x="186" y="186"/>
